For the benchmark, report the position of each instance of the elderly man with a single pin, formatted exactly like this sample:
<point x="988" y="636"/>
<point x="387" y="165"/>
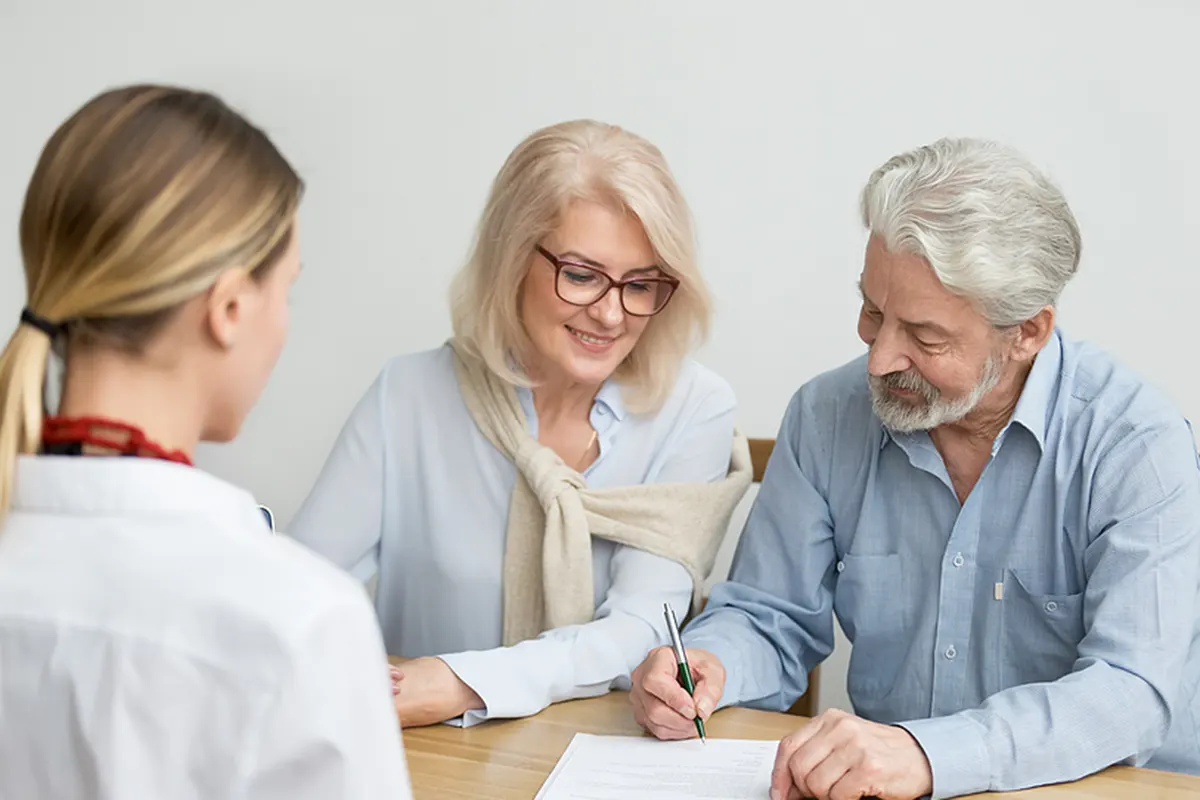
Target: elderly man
<point x="1006" y="522"/>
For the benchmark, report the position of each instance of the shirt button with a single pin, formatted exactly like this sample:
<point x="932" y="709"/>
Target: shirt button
<point x="958" y="560"/>
<point x="951" y="652"/>
<point x="841" y="565"/>
<point x="1051" y="606"/>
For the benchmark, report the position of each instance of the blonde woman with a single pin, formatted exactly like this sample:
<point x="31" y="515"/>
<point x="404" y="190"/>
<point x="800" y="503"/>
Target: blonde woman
<point x="531" y="494"/>
<point x="155" y="639"/>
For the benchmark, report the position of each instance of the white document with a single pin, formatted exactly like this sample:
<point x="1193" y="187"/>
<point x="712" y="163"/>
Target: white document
<point x="624" y="767"/>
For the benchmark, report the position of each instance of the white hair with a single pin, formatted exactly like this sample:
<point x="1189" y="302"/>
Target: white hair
<point x="992" y="227"/>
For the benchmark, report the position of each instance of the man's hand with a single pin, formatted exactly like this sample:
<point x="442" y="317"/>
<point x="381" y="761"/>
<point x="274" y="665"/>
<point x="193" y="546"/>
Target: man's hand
<point x="662" y="706"/>
<point x="838" y="756"/>
<point x="431" y="693"/>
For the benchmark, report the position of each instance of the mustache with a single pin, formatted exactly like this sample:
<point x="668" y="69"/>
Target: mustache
<point x="908" y="380"/>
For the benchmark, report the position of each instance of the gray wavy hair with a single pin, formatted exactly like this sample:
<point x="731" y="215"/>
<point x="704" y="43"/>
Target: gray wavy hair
<point x="993" y="228"/>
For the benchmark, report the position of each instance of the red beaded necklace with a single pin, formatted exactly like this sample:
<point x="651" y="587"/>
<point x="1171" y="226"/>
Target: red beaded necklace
<point x="119" y="437"/>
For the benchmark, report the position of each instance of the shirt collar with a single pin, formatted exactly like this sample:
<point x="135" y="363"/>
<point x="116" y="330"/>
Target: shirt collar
<point x="1033" y="407"/>
<point x="610" y="396"/>
<point x="118" y="486"/>
<point x="1032" y="411"/>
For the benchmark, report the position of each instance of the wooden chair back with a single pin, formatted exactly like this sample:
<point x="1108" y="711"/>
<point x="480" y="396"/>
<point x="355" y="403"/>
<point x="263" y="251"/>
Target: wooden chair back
<point x="806" y="706"/>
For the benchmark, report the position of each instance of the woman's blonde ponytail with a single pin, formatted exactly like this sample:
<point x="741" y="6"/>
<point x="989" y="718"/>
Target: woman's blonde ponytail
<point x="22" y="380"/>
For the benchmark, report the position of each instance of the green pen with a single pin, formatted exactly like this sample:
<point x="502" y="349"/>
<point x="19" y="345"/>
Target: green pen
<point x="685" y="673"/>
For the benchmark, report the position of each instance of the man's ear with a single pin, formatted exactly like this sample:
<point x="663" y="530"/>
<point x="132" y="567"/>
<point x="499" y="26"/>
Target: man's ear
<point x="1032" y="334"/>
<point x="226" y="307"/>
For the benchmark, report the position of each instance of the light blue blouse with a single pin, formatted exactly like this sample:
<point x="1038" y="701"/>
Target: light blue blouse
<point x="415" y="494"/>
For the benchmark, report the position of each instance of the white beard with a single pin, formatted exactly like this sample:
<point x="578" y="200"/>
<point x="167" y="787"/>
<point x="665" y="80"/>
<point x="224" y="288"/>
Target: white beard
<point x="902" y="416"/>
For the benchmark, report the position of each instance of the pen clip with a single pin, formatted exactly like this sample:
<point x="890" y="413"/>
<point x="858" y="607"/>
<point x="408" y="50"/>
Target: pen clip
<point x="673" y="632"/>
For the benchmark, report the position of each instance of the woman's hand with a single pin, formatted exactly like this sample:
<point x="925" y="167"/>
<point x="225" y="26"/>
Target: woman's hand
<point x="397" y="677"/>
<point x="426" y="691"/>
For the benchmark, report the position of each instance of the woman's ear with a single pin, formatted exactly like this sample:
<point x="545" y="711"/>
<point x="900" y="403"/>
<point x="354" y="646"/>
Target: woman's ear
<point x="227" y="307"/>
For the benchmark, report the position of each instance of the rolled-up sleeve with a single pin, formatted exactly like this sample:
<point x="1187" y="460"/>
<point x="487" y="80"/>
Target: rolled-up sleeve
<point x="772" y="621"/>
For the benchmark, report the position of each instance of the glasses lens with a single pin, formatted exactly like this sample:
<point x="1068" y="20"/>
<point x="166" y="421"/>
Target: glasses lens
<point x="581" y="285"/>
<point x="644" y="298"/>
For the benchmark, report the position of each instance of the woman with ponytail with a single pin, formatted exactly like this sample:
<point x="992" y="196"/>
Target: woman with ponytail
<point x="156" y="640"/>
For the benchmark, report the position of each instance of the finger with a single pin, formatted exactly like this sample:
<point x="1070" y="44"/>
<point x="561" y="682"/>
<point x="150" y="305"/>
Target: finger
<point x="818" y="725"/>
<point x="676" y="734"/>
<point x="710" y="684"/>
<point x="667" y="727"/>
<point x="849" y="787"/>
<point x="781" y="775"/>
<point x="670" y="725"/>
<point x="801" y="751"/>
<point x="662" y="685"/>
<point x="820" y="778"/>
<point x="708" y="694"/>
<point x="659" y="719"/>
<point x="672" y="734"/>
<point x="810" y="755"/>
<point x="639" y="700"/>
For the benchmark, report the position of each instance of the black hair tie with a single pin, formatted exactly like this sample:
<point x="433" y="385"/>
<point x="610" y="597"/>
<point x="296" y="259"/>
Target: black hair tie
<point x="51" y="329"/>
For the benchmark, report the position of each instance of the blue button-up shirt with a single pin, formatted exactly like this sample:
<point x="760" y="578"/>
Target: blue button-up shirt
<point x="1040" y="631"/>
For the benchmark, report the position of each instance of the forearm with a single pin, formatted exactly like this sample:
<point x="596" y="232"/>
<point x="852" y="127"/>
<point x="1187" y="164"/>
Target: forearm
<point x="753" y="671"/>
<point x="563" y="664"/>
<point x="766" y="642"/>
<point x="1044" y="733"/>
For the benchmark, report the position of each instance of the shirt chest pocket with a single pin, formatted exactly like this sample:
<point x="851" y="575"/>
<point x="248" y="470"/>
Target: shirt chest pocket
<point x="871" y="607"/>
<point x="1040" y="632"/>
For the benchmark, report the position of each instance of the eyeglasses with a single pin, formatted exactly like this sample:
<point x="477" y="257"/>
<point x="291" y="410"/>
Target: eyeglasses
<point x="582" y="285"/>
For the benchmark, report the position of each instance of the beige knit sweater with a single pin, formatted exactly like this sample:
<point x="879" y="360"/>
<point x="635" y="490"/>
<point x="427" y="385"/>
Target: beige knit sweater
<point x="553" y="514"/>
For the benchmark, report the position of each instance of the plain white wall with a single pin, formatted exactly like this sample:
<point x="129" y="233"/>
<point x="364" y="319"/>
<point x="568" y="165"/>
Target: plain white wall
<point x="772" y="115"/>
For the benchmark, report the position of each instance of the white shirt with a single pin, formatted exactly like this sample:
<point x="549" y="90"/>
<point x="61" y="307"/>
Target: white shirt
<point x="415" y="494"/>
<point x="157" y="641"/>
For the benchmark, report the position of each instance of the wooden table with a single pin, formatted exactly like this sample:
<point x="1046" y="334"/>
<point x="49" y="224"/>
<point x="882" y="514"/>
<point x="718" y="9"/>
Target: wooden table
<point x="511" y="759"/>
